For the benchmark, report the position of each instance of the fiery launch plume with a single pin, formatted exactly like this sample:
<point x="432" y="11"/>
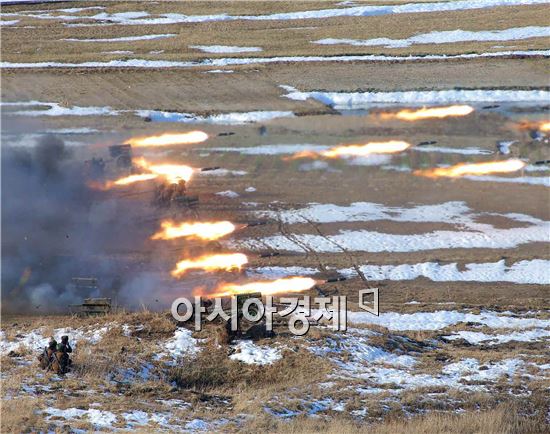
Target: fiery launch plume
<point x="133" y="178"/>
<point x="200" y="230"/>
<point x="279" y="286"/>
<point x="463" y="169"/>
<point x="370" y="148"/>
<point x="226" y="262"/>
<point x="344" y="151"/>
<point x="169" y="139"/>
<point x="430" y="113"/>
<point x="171" y="172"/>
<point x="543" y="126"/>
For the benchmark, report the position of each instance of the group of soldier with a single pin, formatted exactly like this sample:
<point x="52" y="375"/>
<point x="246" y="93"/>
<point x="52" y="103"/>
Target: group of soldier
<point x="55" y="356"/>
<point x="166" y="194"/>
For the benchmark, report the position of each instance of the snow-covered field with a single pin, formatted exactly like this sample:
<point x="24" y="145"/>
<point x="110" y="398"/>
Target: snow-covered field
<point x="143" y="18"/>
<point x="446" y="37"/>
<point x="373" y="241"/>
<point x="360" y="366"/>
<point x="534" y="272"/>
<point x="41" y="108"/>
<point x="124" y="38"/>
<point x="236" y="61"/>
<point x="460" y="264"/>
<point x="361" y="100"/>
<point x="225" y="49"/>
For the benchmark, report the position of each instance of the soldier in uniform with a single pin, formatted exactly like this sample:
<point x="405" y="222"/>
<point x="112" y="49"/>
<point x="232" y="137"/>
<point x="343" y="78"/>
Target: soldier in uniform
<point x="167" y="193"/>
<point x="46" y="356"/>
<point x="64" y="346"/>
<point x="63" y="350"/>
<point x="181" y="188"/>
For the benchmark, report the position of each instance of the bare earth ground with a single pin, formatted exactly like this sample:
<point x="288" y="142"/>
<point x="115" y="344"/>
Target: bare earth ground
<point x="44" y="40"/>
<point x="320" y="382"/>
<point x="256" y="87"/>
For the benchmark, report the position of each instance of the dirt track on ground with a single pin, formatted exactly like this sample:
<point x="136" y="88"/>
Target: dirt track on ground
<point x="256" y="87"/>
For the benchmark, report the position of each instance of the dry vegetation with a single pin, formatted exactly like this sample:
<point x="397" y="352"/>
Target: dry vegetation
<point x="212" y="386"/>
<point x="504" y="419"/>
<point x="130" y="371"/>
<point x="44" y="42"/>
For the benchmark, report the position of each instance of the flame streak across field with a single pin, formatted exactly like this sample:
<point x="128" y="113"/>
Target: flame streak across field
<point x="224" y="261"/>
<point x="464" y="169"/>
<point x="198" y="230"/>
<point x="344" y="151"/>
<point x="279" y="286"/>
<point x="429" y="113"/>
<point x="132" y="178"/>
<point x="172" y="173"/>
<point x="169" y="139"/>
<point x="543" y="126"/>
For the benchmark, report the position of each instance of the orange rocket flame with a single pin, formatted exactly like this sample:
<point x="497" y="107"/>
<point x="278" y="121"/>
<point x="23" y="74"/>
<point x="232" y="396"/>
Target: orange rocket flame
<point x="171" y="172"/>
<point x="134" y="178"/>
<point x="220" y="262"/>
<point x="127" y="180"/>
<point x="279" y="286"/>
<point x="169" y="139"/>
<point x="344" y="151"/>
<point x="363" y="150"/>
<point x="463" y="169"/>
<point x="201" y="230"/>
<point x="429" y="113"/>
<point x="542" y="126"/>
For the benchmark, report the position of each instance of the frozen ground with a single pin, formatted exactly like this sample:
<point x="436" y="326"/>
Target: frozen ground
<point x="41" y="108"/>
<point x="359" y="100"/>
<point x="124" y="38"/>
<point x="219" y="119"/>
<point x="373" y="241"/>
<point x="235" y="61"/>
<point x="534" y="272"/>
<point x="364" y="365"/>
<point x="447" y="37"/>
<point x="143" y="18"/>
<point x="225" y="49"/>
<point x="461" y="264"/>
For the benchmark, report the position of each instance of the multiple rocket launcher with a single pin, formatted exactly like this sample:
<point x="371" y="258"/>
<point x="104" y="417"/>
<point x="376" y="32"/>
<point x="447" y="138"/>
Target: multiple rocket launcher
<point x="178" y="173"/>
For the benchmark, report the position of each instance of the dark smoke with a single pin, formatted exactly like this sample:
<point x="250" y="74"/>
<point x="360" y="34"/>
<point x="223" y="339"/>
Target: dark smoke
<point x="55" y="227"/>
<point x="49" y="153"/>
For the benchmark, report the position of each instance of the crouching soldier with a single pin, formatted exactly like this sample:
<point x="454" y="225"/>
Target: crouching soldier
<point x="64" y="346"/>
<point x="46" y="357"/>
<point x="62" y="361"/>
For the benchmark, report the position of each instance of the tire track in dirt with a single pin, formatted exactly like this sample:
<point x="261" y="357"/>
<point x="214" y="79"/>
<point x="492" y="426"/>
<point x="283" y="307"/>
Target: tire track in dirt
<point x="292" y="238"/>
<point x="309" y="251"/>
<point x="342" y="248"/>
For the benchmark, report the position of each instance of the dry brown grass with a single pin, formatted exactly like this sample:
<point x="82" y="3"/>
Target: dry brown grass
<point x="293" y="37"/>
<point x="212" y="376"/>
<point x="213" y="369"/>
<point x="255" y="88"/>
<point x="217" y="387"/>
<point x="504" y="419"/>
<point x="19" y="414"/>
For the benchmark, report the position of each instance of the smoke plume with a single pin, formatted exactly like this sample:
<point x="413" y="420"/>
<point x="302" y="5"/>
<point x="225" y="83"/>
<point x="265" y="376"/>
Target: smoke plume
<point x="55" y="227"/>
